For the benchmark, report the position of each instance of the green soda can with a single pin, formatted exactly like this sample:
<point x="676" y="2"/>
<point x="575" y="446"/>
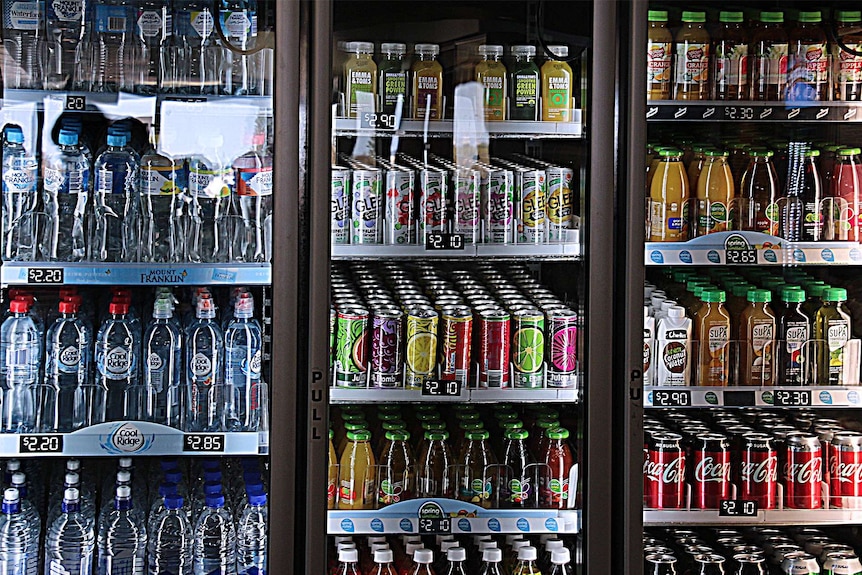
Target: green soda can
<point x="351" y="347"/>
<point x="528" y="347"/>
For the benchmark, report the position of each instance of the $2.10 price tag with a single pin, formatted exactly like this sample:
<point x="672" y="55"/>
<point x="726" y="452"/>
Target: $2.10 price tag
<point x="437" y="387"/>
<point x="737" y="508"/>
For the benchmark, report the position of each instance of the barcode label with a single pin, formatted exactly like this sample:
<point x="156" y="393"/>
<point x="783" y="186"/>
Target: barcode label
<point x="116" y="24"/>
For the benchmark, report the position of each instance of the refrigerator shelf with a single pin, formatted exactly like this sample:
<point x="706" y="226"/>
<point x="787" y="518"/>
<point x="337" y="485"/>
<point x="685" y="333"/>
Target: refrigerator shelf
<point x="751" y="248"/>
<point x="132" y="105"/>
<point x="510" y="129"/>
<point x="128" y="438"/>
<point x="750" y="111"/>
<point x="699" y="397"/>
<point x="669" y="517"/>
<point x="570" y="251"/>
<point x="137" y="274"/>
<point x="431" y="515"/>
<point x="340" y="395"/>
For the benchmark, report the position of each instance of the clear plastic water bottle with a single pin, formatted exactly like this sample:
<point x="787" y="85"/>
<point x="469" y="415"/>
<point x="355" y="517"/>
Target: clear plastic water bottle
<point x="115" y="203"/>
<point x="153" y="25"/>
<point x="117" y="349"/>
<point x="122" y="538"/>
<point x="115" y="25"/>
<point x="72" y="480"/>
<point x="68" y="351"/>
<point x="27" y="500"/>
<point x="19" y="538"/>
<point x="236" y="25"/>
<point x="165" y="489"/>
<point x="20" y="198"/>
<point x="206" y="490"/>
<point x="200" y="68"/>
<point x="251" y="529"/>
<point x="70" y="540"/>
<point x="20" y="347"/>
<point x="64" y="35"/>
<point x="23" y="35"/>
<point x="210" y="185"/>
<point x="163" y="185"/>
<point x="66" y="185"/>
<point x="214" y="549"/>
<point x="253" y="176"/>
<point x="243" y="342"/>
<point x="206" y="395"/>
<point x="162" y="375"/>
<point x="170" y="544"/>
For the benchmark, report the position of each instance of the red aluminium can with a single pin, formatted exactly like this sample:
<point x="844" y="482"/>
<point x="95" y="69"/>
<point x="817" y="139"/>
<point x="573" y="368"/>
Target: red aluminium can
<point x="664" y="472"/>
<point x="846" y="480"/>
<point x="803" y="472"/>
<point x="455" y="350"/>
<point x="759" y="470"/>
<point x="711" y="460"/>
<point x="494" y="348"/>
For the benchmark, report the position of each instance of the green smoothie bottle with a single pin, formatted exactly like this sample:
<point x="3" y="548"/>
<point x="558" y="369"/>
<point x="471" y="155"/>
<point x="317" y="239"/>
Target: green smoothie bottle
<point x="525" y="81"/>
<point x="360" y="76"/>
<point x="557" y="87"/>
<point x="831" y="332"/>
<point x="392" y="77"/>
<point x="491" y="73"/>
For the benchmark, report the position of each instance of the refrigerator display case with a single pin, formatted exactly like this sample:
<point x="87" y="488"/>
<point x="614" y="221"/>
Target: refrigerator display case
<point x="458" y="391"/>
<point x="746" y="428"/>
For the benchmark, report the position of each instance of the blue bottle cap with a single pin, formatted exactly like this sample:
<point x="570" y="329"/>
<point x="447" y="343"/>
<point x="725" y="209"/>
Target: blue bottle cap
<point x="258" y="498"/>
<point x="168" y="465"/>
<point x="166" y="489"/>
<point x="174" y="501"/>
<point x="212" y="488"/>
<point x="68" y="138"/>
<point x="212" y="475"/>
<point x="173" y="477"/>
<point x="211" y="464"/>
<point x="116" y="140"/>
<point x="215" y="501"/>
<point x="14" y="135"/>
<point x="253" y="486"/>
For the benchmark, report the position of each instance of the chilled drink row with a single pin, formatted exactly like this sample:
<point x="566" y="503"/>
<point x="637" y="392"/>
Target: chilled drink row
<point x="186" y="368"/>
<point x="725" y="327"/>
<point x="750" y="551"/>
<point x="127" y="207"/>
<point x="522" y="200"/>
<point x="388" y="455"/>
<point x="803" y="194"/>
<point x="395" y="89"/>
<point x="793" y="462"/>
<point x="450" y="555"/>
<point x="141" y="46"/>
<point x="761" y="58"/>
<point x="396" y="326"/>
<point x="119" y="517"/>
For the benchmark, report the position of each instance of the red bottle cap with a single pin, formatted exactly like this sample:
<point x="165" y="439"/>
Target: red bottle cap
<point x="18" y="306"/>
<point x="118" y="308"/>
<point x="67" y="307"/>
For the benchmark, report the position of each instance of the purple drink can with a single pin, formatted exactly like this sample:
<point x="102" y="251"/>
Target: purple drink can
<point x="499" y="206"/>
<point x="400" y="212"/>
<point x="562" y="339"/>
<point x="386" y="347"/>
<point x="339" y="194"/>
<point x="366" y="222"/>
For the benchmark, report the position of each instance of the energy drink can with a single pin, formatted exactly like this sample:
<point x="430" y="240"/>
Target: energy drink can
<point x="562" y="337"/>
<point x="530" y="201"/>
<point x="561" y="209"/>
<point x="400" y="211"/>
<point x="339" y="194"/>
<point x="528" y="347"/>
<point x="421" y="351"/>
<point x="386" y="346"/>
<point x="351" y="346"/>
<point x="432" y="214"/>
<point x="468" y="198"/>
<point x="499" y="206"/>
<point x="494" y="344"/>
<point x="366" y="220"/>
<point x="455" y="349"/>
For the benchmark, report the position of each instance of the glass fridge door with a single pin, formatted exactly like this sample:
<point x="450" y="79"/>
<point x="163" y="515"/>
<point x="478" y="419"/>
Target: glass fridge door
<point x="137" y="233"/>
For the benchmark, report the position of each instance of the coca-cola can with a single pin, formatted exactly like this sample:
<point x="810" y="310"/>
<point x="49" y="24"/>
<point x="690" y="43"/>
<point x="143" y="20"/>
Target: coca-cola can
<point x="758" y="473"/>
<point x="845" y="486"/>
<point x="664" y="472"/>
<point x="841" y="563"/>
<point x="803" y="472"/>
<point x="824" y="434"/>
<point x="711" y="484"/>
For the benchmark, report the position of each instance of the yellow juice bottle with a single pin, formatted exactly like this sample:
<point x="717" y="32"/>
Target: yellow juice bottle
<point x="491" y="73"/>
<point x="557" y="87"/>
<point x="669" y="195"/>
<point x="360" y="77"/>
<point x="356" y="473"/>
<point x="715" y="193"/>
<point x="427" y="83"/>
<point x="332" y="479"/>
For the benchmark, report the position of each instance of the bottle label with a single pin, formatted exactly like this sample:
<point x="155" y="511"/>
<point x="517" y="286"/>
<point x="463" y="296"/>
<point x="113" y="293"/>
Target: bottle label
<point x="394" y="85"/>
<point x="117" y="363"/>
<point x="240" y="366"/>
<point x="58" y="567"/>
<point x="347" y="493"/>
<point x="23" y="15"/>
<point x="426" y="95"/>
<point x="658" y="62"/>
<point x="390" y="491"/>
<point x="155" y="371"/>
<point x="559" y="488"/>
<point x="837" y="334"/>
<point x="795" y="338"/>
<point x="674" y="358"/>
<point x="493" y="88"/>
<point x="73" y="181"/>
<point x="236" y="25"/>
<point x="692" y="63"/>
<point x="559" y="95"/>
<point x="478" y="490"/>
<point x="519" y="490"/>
<point x="18" y="358"/>
<point x="151" y="24"/>
<point x="160" y="181"/>
<point x="201" y="366"/>
<point x="202" y="23"/>
<point x="647" y="349"/>
<point x="209" y="183"/>
<point x="812" y="221"/>
<point x="67" y="360"/>
<point x="111" y="182"/>
<point x="526" y="90"/>
<point x="254" y="182"/>
<point x="67" y="10"/>
<point x="112" y="19"/>
<point x="560" y="199"/>
<point x="761" y="348"/>
<point x="360" y="81"/>
<point x="731" y="64"/>
<point x="812" y="63"/>
<point x="16" y="180"/>
<point x="848" y="67"/>
<point x="772" y="64"/>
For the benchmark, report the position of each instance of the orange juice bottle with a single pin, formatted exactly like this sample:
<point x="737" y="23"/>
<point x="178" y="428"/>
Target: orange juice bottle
<point x="427" y="83"/>
<point x="360" y="76"/>
<point x="714" y="194"/>
<point x="757" y="340"/>
<point x="659" y="53"/>
<point x="356" y="475"/>
<point x="332" y="481"/>
<point x="669" y="199"/>
<point x="712" y="324"/>
<point x="696" y="165"/>
<point x="557" y="87"/>
<point x="491" y="73"/>
<point x="691" y="70"/>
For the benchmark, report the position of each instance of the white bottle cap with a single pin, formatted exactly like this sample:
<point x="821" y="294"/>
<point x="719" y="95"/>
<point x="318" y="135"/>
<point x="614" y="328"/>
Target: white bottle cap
<point x="676" y="312"/>
<point x="348" y="555"/>
<point x="559" y="50"/>
<point x="660" y="292"/>
<point x="73" y="465"/>
<point x="487" y="545"/>
<point x="667" y="304"/>
<point x="393" y="48"/>
<point x="423" y="556"/>
<point x="656" y="300"/>
<point x="70" y="494"/>
<point x="528" y="51"/>
<point x="344" y="545"/>
<point x="410" y="539"/>
<point x="411" y="547"/>
<point x="373" y="540"/>
<point x="552" y="544"/>
<point x="13" y="465"/>
<point x="478" y="538"/>
<point x="561" y="556"/>
<point x="492" y="555"/>
<point x="379" y="547"/>
<point x="527" y="553"/>
<point x="383" y="556"/>
<point x="456" y="554"/>
<point x="124" y="491"/>
<point x="347" y="539"/>
<point x="518" y="543"/>
<point x="490" y="50"/>
<point x="362" y="47"/>
<point x="447" y="544"/>
<point x="432" y="49"/>
<point x="19" y="478"/>
<point x="10" y="495"/>
<point x="125" y="462"/>
<point x="123" y="477"/>
<point x="72" y="479"/>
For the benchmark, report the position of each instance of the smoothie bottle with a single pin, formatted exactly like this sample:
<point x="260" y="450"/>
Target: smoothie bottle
<point x="808" y="60"/>
<point x="557" y="87"/>
<point x="669" y="195"/>
<point x="659" y="56"/>
<point x="356" y="473"/>
<point x="392" y="78"/>
<point x="794" y="331"/>
<point x="756" y="340"/>
<point x="730" y="58"/>
<point x="673" y="348"/>
<point x="555" y="489"/>
<point x="846" y="66"/>
<point x="712" y="326"/>
<point x="427" y="83"/>
<point x="360" y="76"/>
<point x="715" y="194"/>
<point x="756" y="208"/>
<point x="691" y="68"/>
<point x="491" y="73"/>
<point x="831" y="332"/>
<point x="769" y="69"/>
<point x="525" y="83"/>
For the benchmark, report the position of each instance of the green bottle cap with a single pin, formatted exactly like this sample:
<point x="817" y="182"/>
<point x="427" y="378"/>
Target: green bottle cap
<point x="761" y="153"/>
<point x="394" y="424"/>
<point x="353" y="416"/>
<point x="436" y="435"/>
<point x="670" y="153"/>
<point x="657" y="16"/>
<point x="467" y="416"/>
<point x="433" y="426"/>
<point x="558" y="433"/>
<point x="389" y="416"/>
<point x="818" y="289"/>
<point x="812" y="16"/>
<point x="848" y="15"/>
<point x="505" y="415"/>
<point x="835" y="294"/>
<point x="356" y="425"/>
<point x="716" y="153"/>
<point x="478" y="435"/>
<point x="398" y="435"/>
<point x="693" y="16"/>
<point x="511" y="424"/>
<point x="331" y="433"/>
<point x="849" y="152"/>
<point x="772" y="17"/>
<point x="359" y="435"/>
<point x="713" y="296"/>
<point x="792" y="295"/>
<point x="730" y="17"/>
<point x="759" y="296"/>
<point x="383" y="407"/>
<point x="812" y="153"/>
<point x="517" y="434"/>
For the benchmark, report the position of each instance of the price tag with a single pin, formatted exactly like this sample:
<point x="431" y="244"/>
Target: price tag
<point x="441" y="388"/>
<point x="187" y="99"/>
<point x="45" y="276"/>
<point x="40" y="443"/>
<point x="738" y="113"/>
<point x="437" y="525"/>
<point x="743" y="257"/>
<point x="664" y="398"/>
<point x="379" y="121"/>
<point x="737" y="508"/>
<point x="75" y="103"/>
<point x="195" y="442"/>
<point x="435" y="241"/>
<point x="791" y="398"/>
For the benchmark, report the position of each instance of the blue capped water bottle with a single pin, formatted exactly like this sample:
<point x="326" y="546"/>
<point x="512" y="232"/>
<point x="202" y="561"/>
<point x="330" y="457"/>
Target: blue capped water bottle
<point x="214" y="549"/>
<point x="19" y="538"/>
<point x="20" y="198"/>
<point x="122" y="538"/>
<point x="170" y="544"/>
<point x="66" y="184"/>
<point x="115" y="203"/>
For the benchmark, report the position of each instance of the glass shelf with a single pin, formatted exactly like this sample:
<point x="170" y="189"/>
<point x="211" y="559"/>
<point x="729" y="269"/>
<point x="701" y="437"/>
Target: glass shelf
<point x="134" y="274"/>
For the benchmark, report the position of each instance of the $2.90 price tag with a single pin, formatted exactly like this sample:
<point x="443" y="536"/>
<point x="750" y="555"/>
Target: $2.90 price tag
<point x="665" y="398"/>
<point x="441" y="388"/>
<point x="737" y="508"/>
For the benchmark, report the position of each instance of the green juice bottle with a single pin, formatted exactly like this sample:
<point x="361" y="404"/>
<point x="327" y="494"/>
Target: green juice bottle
<point x="392" y="77"/>
<point x="360" y="75"/>
<point x="491" y="73"/>
<point x="525" y="82"/>
<point x="557" y="87"/>
<point x="831" y="332"/>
